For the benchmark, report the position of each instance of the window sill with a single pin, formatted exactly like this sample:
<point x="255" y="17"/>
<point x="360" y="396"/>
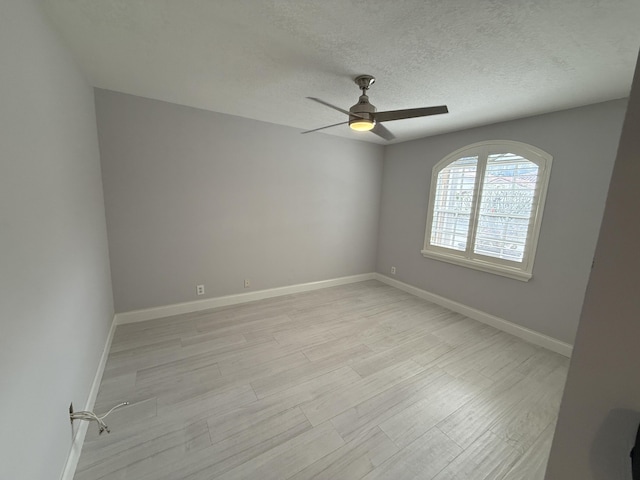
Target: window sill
<point x="479" y="265"/>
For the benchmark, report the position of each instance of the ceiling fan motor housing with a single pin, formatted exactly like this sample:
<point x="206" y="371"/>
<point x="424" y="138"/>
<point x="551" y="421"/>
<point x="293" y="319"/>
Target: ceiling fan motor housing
<point x="363" y="109"/>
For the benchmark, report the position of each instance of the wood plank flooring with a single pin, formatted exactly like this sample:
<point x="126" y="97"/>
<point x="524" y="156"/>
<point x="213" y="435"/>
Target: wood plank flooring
<point x="361" y="381"/>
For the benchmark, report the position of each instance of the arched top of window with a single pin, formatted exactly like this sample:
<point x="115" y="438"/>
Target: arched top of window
<point x="485" y="207"/>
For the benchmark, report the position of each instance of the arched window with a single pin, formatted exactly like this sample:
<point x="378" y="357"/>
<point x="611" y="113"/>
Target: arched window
<point x="485" y="207"/>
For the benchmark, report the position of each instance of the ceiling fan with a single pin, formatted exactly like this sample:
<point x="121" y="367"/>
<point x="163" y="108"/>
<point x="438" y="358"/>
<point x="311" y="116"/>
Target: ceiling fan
<point x="364" y="117"/>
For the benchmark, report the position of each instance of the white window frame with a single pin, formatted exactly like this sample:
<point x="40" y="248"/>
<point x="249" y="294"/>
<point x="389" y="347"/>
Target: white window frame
<point x="522" y="271"/>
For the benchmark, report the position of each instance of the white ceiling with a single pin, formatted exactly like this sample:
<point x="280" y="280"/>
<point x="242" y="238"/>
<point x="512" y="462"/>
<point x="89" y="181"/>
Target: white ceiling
<point x="488" y="60"/>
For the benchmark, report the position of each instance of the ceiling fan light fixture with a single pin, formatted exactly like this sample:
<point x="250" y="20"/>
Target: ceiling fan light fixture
<point x="362" y="125"/>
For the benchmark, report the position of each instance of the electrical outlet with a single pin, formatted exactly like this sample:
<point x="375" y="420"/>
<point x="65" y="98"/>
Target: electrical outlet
<point x="247" y="284"/>
<point x="199" y="289"/>
<point x="393" y="270"/>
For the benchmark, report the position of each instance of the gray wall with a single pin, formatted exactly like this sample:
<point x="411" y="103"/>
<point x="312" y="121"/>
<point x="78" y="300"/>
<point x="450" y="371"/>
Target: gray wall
<point x="55" y="293"/>
<point x="583" y="143"/>
<point x="600" y="410"/>
<point x="196" y="197"/>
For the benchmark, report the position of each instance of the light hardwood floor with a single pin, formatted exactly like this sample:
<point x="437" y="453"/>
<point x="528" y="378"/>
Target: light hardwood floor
<point x="358" y="381"/>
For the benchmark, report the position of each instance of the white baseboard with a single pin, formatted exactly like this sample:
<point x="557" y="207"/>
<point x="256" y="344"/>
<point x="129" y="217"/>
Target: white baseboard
<point x="179" y="308"/>
<point x="531" y="336"/>
<point x="216" y="302"/>
<point x="78" y="439"/>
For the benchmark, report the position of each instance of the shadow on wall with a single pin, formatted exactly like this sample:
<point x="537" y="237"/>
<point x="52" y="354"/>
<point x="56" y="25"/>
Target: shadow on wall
<point x="609" y="455"/>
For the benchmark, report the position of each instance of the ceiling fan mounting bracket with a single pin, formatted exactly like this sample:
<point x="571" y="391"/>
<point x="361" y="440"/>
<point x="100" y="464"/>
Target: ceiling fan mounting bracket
<point x="365" y="81"/>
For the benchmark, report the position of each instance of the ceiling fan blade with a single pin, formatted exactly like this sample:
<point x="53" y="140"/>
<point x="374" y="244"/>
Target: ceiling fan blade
<point x="341" y="110"/>
<point x="382" y="131"/>
<point x="326" y="104"/>
<point x="328" y="126"/>
<point x="410" y="113"/>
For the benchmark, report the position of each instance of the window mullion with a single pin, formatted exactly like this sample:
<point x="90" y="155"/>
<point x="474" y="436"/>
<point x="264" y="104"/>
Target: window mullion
<point x="475" y="204"/>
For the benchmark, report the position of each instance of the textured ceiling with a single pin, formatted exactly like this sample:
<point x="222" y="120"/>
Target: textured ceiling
<point x="488" y="60"/>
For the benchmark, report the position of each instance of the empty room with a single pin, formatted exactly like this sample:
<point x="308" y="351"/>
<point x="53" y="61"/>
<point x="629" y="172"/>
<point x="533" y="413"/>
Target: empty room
<point x="288" y="239"/>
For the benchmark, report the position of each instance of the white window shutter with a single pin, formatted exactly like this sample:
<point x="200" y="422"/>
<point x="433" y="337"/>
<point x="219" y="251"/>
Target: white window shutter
<point x="485" y="207"/>
<point x="453" y="204"/>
